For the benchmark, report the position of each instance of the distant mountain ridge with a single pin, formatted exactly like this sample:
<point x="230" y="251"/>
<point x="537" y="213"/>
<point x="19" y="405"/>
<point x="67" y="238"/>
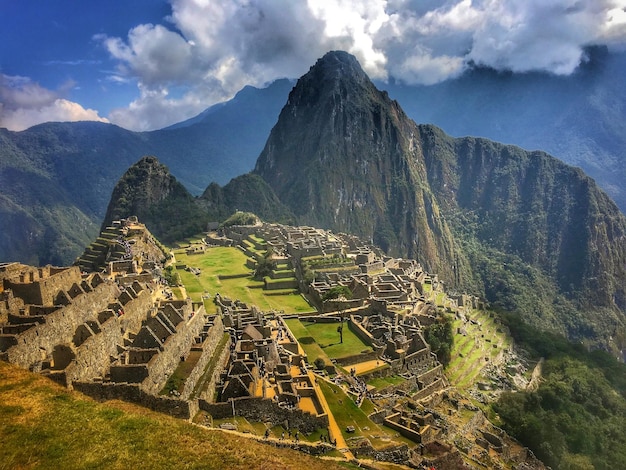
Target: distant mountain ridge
<point x="56" y="178"/>
<point x="580" y="119"/>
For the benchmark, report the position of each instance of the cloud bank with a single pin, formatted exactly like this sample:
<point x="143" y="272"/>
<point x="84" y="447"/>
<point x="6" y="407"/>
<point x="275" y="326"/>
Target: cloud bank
<point x="212" y="49"/>
<point x="24" y="103"/>
<point x="207" y="50"/>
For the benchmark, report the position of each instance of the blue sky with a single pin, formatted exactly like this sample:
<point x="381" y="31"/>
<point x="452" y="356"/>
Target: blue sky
<point x="145" y="64"/>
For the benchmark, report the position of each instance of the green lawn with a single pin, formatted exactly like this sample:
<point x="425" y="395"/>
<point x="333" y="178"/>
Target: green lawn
<point x="346" y="414"/>
<point x="327" y="337"/>
<point x="382" y="382"/>
<point x="311" y="348"/>
<point x="229" y="261"/>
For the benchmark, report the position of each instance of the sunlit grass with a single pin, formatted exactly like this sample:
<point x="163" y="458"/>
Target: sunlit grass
<point x="327" y="337"/>
<point x="347" y="413"/>
<point x="46" y="426"/>
<point x="217" y="266"/>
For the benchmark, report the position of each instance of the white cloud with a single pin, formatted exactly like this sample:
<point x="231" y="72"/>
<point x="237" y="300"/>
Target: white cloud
<point x="211" y="49"/>
<point x="24" y="103"/>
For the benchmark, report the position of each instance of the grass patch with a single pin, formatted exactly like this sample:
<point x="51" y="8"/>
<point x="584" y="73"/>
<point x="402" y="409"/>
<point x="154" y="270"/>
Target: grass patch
<point x="311" y="348"/>
<point x="346" y="413"/>
<point x="383" y="382"/>
<point x="327" y="337"/>
<point x="50" y="427"/>
<point x="229" y="261"/>
<point x="176" y="381"/>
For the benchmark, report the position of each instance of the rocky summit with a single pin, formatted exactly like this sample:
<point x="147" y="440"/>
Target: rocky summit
<point x="345" y="156"/>
<point x="531" y="233"/>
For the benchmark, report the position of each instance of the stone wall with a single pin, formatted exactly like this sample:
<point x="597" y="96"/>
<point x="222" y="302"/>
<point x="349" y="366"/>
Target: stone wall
<point x="93" y="355"/>
<point x="132" y="393"/>
<point x="412" y="434"/>
<point x="429" y="389"/>
<point x="281" y="284"/>
<point x="39" y="342"/>
<point x="346" y="361"/>
<point x="209" y="348"/>
<point x="176" y="346"/>
<point x="399" y="454"/>
<point x="360" y="332"/>
<point x="263" y="410"/>
<point x="136" y="311"/>
<point x="220" y="364"/>
<point x="44" y="290"/>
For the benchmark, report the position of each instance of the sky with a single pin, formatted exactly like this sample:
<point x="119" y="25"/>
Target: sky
<point x="147" y="64"/>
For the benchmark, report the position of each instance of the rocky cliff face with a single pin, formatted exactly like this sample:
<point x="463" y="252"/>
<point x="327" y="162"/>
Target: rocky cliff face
<point x="344" y="156"/>
<point x="529" y="232"/>
<point x="148" y="191"/>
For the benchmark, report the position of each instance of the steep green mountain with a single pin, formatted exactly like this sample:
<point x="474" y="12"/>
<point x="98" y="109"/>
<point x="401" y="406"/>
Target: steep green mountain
<point x="248" y="193"/>
<point x="522" y="228"/>
<point x="56" y="178"/>
<point x="344" y="156"/>
<point x="148" y="190"/>
<point x="541" y="236"/>
<point x="580" y="118"/>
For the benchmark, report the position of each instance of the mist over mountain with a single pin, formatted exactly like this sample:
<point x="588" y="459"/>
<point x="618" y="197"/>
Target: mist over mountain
<point x="580" y="118"/>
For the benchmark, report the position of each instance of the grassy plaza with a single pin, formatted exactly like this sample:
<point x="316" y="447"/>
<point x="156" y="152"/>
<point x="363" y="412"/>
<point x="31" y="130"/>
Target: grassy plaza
<point x="223" y="270"/>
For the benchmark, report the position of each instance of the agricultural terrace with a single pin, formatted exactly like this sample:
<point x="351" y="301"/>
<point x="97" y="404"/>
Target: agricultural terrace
<point x="480" y="342"/>
<point x="223" y="270"/>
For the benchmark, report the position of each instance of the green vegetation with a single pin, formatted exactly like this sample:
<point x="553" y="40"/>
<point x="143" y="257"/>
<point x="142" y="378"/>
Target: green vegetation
<point x="176" y="381"/>
<point x="223" y="271"/>
<point x="211" y="365"/>
<point x="241" y="218"/>
<point x="440" y="338"/>
<point x="264" y="266"/>
<point x="43" y="425"/>
<point x="338" y="291"/>
<point x="148" y="190"/>
<point x="311" y="348"/>
<point x="347" y="413"/>
<point x="482" y="338"/>
<point x="327" y="337"/>
<point x="171" y="276"/>
<point x="575" y="419"/>
<point x="383" y="382"/>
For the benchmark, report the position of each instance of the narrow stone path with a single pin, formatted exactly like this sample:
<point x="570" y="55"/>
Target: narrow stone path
<point x="333" y="428"/>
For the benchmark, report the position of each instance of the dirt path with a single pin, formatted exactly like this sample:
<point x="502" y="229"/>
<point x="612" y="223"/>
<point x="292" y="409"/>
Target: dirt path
<point x="535" y="377"/>
<point x="333" y="427"/>
<point x="366" y="366"/>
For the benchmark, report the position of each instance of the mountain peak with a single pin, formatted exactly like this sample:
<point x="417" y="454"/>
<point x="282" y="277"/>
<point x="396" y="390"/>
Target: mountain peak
<point x="339" y="64"/>
<point x="337" y="75"/>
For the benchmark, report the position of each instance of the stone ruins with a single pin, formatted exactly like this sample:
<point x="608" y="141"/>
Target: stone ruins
<point x="111" y="327"/>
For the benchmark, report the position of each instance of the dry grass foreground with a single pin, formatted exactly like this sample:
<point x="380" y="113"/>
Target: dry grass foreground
<point x="45" y="426"/>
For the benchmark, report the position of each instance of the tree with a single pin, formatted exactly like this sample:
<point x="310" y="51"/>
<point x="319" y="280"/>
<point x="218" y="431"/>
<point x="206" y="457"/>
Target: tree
<point x="265" y="265"/>
<point x="440" y="338"/>
<point x="337" y="291"/>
